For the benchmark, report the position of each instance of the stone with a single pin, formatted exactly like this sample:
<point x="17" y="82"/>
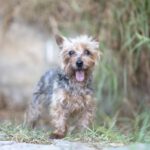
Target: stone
<point x="67" y="145"/>
<point x="56" y="145"/>
<point x="137" y="146"/>
<point x="25" y="53"/>
<point x="7" y="145"/>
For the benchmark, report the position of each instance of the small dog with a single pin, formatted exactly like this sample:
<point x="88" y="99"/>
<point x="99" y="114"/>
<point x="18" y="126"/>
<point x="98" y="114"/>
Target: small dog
<point x="67" y="93"/>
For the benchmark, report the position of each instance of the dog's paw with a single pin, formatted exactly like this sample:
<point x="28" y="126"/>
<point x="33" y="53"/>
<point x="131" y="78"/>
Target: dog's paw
<point x="56" y="136"/>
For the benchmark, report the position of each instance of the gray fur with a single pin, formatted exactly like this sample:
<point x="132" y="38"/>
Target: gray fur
<point x="44" y="91"/>
<point x="46" y="83"/>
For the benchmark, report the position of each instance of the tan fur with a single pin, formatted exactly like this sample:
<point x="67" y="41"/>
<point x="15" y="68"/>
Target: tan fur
<point x="75" y="102"/>
<point x="70" y="62"/>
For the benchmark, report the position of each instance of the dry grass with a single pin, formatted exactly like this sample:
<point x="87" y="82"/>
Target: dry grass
<point x="21" y="133"/>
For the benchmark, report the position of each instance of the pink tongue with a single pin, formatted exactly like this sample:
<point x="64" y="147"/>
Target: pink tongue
<point x="80" y="75"/>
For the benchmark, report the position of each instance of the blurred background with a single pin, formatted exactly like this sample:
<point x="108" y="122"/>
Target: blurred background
<point x="122" y="77"/>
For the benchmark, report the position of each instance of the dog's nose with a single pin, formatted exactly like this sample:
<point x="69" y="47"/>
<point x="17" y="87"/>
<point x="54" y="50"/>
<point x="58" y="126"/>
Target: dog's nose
<point x="79" y="63"/>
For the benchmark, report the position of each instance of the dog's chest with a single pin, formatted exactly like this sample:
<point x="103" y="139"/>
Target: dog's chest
<point x="75" y="104"/>
<point x="76" y="95"/>
<point x="76" y="100"/>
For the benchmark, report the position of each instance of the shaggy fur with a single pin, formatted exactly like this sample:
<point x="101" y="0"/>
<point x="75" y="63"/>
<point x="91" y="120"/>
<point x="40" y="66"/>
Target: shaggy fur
<point x="66" y="92"/>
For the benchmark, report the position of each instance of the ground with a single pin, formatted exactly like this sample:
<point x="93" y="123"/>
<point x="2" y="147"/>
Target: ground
<point x="20" y="137"/>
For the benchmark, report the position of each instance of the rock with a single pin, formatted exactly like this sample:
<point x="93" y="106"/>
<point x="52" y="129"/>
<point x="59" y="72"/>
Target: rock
<point x="131" y="147"/>
<point x="66" y="145"/>
<point x="56" y="145"/>
<point x="25" y="53"/>
<point x="6" y="145"/>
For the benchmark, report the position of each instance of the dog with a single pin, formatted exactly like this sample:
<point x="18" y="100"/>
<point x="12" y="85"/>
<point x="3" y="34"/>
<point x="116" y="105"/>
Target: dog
<point x="66" y="92"/>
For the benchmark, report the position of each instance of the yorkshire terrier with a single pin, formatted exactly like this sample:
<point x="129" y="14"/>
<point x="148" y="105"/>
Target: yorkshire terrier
<point x="66" y="92"/>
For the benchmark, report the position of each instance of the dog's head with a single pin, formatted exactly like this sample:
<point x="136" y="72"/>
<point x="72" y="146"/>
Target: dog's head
<point x="79" y="56"/>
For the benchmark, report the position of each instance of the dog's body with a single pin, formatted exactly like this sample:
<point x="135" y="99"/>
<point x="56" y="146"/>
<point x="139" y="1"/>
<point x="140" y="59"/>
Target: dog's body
<point x="67" y="92"/>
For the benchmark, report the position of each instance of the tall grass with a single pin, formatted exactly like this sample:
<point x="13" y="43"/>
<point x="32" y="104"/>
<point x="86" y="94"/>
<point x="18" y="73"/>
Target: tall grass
<point x="122" y="78"/>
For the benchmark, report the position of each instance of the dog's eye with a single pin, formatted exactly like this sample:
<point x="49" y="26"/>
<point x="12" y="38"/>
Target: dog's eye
<point x="87" y="52"/>
<point x="71" y="52"/>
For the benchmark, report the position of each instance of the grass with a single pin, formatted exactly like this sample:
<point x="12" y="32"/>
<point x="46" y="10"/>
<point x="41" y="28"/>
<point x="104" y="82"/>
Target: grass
<point x="20" y="133"/>
<point x="108" y="133"/>
<point x="99" y="134"/>
<point x="121" y="78"/>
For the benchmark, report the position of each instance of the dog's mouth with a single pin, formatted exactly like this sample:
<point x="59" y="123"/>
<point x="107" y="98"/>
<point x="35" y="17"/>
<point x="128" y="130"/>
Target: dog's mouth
<point x="80" y="75"/>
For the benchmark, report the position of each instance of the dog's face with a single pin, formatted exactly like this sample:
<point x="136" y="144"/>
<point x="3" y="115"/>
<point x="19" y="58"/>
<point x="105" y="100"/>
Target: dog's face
<point x="79" y="56"/>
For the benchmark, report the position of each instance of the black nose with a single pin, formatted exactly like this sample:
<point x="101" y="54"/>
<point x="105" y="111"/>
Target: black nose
<point x="79" y="63"/>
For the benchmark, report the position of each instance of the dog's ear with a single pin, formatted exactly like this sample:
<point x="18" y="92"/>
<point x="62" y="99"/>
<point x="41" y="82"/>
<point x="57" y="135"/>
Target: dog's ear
<point x="59" y="40"/>
<point x="95" y="38"/>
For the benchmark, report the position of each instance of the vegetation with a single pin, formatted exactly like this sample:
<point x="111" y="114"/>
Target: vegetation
<point x="97" y="135"/>
<point x="122" y="75"/>
<point x="21" y="133"/>
<point x="122" y="78"/>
